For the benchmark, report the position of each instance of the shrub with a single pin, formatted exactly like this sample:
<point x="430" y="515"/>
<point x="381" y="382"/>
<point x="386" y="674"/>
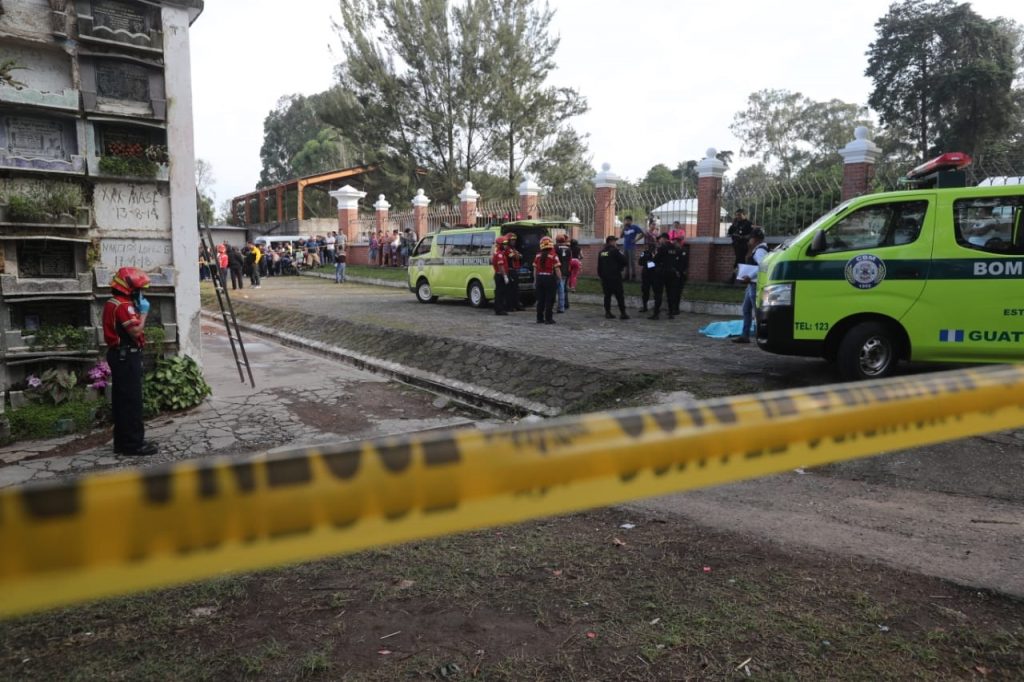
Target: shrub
<point x="53" y="386"/>
<point x="128" y="166"/>
<point x="62" y="335"/>
<point x="25" y="209"/>
<point x="174" y="384"/>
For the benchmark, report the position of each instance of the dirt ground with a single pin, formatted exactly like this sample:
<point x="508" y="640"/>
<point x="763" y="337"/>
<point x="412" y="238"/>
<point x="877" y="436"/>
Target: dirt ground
<point x="581" y="597"/>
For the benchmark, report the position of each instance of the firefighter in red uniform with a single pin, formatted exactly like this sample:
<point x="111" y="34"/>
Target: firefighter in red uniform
<point x="546" y="274"/>
<point x="499" y="261"/>
<point x="515" y="261"/>
<point x="124" y="319"/>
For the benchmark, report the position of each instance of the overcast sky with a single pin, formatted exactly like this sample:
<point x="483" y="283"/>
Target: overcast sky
<point x="663" y="77"/>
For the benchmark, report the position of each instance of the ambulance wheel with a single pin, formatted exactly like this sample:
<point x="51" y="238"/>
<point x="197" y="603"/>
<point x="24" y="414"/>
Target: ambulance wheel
<point x="476" y="295"/>
<point x="868" y="351"/>
<point x="423" y="292"/>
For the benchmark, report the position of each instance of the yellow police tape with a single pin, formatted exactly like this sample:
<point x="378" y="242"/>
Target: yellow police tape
<point x="113" y="533"/>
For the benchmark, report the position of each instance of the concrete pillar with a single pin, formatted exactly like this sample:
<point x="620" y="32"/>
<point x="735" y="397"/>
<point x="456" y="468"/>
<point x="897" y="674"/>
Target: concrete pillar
<point x="859" y="159"/>
<point x="467" y="204"/>
<point x="280" y="204"/>
<point x="574" y="228"/>
<point x="604" y="202"/>
<point x="184" y="235"/>
<point x="348" y="211"/>
<point x="382" y="207"/>
<point x="419" y="213"/>
<point x="709" y="194"/>
<point x="263" y="206"/>
<point x="529" y="192"/>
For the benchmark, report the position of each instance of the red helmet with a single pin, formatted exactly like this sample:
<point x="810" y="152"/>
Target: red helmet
<point x="561" y="239"/>
<point x="128" y="280"/>
<point x="501" y="241"/>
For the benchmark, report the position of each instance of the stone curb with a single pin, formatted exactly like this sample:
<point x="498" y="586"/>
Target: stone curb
<point x="476" y="396"/>
<point x="632" y="302"/>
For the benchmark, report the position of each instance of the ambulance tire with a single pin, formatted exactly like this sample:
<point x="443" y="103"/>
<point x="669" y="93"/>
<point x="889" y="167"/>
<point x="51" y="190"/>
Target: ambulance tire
<point x="424" y="293"/>
<point x="476" y="295"/>
<point x="869" y="350"/>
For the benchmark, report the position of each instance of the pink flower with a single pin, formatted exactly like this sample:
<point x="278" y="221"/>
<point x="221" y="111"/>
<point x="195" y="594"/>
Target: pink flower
<point x="34" y="381"/>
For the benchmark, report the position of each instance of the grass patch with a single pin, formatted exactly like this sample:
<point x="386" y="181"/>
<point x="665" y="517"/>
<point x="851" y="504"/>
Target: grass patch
<point x="371" y="272"/>
<point x="556" y="599"/>
<point x="39" y="420"/>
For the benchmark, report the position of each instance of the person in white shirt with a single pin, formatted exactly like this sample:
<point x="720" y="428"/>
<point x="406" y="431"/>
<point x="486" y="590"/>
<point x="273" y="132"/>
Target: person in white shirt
<point x="756" y="251"/>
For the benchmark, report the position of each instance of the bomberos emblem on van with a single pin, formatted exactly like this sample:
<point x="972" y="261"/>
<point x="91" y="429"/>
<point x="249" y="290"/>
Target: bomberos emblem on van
<point x="865" y="271"/>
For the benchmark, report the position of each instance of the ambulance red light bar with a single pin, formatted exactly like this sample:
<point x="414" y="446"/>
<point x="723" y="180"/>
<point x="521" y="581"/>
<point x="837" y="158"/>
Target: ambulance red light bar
<point x="950" y="161"/>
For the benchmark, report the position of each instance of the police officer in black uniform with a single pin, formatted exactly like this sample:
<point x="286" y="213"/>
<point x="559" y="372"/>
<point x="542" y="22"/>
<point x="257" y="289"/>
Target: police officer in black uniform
<point x="681" y="269"/>
<point x="646" y="262"/>
<point x="610" y="264"/>
<point x="124" y="320"/>
<point x="664" y="274"/>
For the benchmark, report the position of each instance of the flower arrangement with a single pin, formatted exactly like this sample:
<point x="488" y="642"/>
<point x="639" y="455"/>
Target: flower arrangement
<point x="126" y="150"/>
<point x="99" y="376"/>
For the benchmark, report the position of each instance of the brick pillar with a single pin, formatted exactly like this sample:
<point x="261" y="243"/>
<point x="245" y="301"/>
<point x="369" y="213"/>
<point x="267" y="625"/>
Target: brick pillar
<point x="280" y="204"/>
<point x="529" y="192"/>
<point x="709" y="194"/>
<point x="419" y="213"/>
<point x="859" y="159"/>
<point x="604" y="202"/>
<point x="348" y="211"/>
<point x="382" y="207"/>
<point x="467" y="204"/>
<point x="263" y="207"/>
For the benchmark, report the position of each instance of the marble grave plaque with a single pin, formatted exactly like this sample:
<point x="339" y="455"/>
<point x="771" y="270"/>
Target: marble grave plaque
<point x="35" y="138"/>
<point x="120" y="80"/>
<point x="119" y="17"/>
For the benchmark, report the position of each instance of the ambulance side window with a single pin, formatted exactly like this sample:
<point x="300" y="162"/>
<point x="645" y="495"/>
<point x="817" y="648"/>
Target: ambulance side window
<point x="458" y="245"/>
<point x="990" y="224"/>
<point x="881" y="225"/>
<point x="423" y="248"/>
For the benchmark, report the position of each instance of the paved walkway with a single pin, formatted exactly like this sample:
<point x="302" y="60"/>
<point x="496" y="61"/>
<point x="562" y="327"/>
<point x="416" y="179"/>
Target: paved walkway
<point x="300" y="399"/>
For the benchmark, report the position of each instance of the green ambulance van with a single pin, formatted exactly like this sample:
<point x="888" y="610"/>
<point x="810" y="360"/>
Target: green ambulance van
<point x="457" y="262"/>
<point x="933" y="274"/>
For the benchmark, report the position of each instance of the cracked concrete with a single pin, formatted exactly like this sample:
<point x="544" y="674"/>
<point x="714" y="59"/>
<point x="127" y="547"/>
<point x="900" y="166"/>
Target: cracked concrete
<point x="300" y="399"/>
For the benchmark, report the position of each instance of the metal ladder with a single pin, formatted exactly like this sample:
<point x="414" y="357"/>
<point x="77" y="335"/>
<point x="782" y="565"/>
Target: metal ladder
<point x="227" y="311"/>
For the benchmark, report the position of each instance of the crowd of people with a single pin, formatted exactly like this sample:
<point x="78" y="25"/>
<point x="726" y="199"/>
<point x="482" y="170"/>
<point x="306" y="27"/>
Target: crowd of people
<point x="257" y="261"/>
<point x="391" y="250"/>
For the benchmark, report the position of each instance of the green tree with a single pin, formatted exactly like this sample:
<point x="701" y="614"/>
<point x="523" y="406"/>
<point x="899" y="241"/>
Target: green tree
<point x="447" y="89"/>
<point x="528" y="112"/>
<point x="945" y="75"/>
<point x="204" y="189"/>
<point x="790" y="132"/>
<point x="565" y="164"/>
<point x="286" y="131"/>
<point x="659" y="175"/>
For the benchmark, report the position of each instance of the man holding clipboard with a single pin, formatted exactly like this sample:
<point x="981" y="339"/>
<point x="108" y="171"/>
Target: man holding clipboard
<point x="747" y="272"/>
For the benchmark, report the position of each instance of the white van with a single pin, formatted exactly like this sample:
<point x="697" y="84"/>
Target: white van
<point x="274" y="240"/>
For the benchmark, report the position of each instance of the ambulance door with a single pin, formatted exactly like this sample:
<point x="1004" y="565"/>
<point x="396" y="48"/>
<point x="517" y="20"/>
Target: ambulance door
<point x="873" y="260"/>
<point x="972" y="309"/>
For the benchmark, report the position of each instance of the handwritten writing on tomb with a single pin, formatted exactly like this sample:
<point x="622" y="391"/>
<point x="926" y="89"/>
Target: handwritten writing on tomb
<point x="141" y="253"/>
<point x="138" y="203"/>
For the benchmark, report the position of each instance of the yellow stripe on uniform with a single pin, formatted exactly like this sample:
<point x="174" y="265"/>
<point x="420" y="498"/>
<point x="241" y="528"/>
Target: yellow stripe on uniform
<point x="118" y="532"/>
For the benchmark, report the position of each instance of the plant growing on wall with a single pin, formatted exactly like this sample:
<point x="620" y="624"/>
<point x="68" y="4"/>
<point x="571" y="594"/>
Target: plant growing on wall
<point x="61" y="335"/>
<point x="53" y="386"/>
<point x="128" y="166"/>
<point x="43" y="202"/>
<point x="6" y="79"/>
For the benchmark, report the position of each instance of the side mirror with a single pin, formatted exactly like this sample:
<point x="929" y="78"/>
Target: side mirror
<point x="818" y="243"/>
